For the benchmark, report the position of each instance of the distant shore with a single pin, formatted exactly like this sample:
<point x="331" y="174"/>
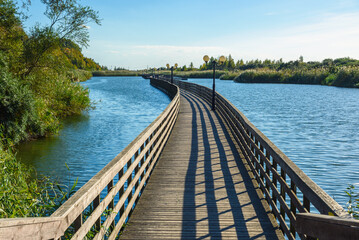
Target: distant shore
<point x="345" y="77"/>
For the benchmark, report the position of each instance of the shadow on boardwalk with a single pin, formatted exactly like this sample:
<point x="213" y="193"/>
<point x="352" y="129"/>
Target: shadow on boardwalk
<point x="200" y="188"/>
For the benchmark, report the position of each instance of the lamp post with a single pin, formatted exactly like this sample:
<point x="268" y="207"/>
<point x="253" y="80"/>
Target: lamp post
<point x="221" y="60"/>
<point x="175" y="66"/>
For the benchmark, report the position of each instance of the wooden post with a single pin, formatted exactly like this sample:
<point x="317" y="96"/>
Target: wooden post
<point x="274" y="181"/>
<point x="112" y="203"/>
<point x="293" y="209"/>
<point x="261" y="160"/>
<point x="268" y="172"/>
<point x="306" y="203"/>
<point x="96" y="202"/>
<point x="282" y="193"/>
<point x="120" y="193"/>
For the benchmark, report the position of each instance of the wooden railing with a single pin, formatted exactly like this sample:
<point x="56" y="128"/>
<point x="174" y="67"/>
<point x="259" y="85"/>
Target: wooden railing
<point x="102" y="206"/>
<point x="287" y="189"/>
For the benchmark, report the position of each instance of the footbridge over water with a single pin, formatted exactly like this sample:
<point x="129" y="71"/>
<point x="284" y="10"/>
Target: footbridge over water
<point x="194" y="173"/>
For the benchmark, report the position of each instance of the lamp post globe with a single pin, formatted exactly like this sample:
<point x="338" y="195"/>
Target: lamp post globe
<point x="222" y="59"/>
<point x="206" y="58"/>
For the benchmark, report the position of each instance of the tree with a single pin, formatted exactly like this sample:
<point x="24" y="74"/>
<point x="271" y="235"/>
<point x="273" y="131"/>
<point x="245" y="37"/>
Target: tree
<point x="68" y="20"/>
<point x="231" y="65"/>
<point x="191" y="66"/>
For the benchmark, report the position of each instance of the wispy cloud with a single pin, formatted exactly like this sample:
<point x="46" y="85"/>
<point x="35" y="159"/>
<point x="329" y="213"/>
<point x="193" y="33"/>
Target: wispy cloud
<point x="326" y="36"/>
<point x="330" y="36"/>
<point x="140" y="56"/>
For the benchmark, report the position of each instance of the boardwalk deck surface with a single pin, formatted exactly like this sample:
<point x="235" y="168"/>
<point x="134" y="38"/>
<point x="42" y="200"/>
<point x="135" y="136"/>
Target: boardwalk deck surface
<point x="200" y="188"/>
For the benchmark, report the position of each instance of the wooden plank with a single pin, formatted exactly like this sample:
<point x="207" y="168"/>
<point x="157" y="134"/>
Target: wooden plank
<point x="197" y="189"/>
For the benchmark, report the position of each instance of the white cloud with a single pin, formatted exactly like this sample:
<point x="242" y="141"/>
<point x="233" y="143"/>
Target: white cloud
<point x="327" y="36"/>
<point x="331" y="36"/>
<point x="142" y="56"/>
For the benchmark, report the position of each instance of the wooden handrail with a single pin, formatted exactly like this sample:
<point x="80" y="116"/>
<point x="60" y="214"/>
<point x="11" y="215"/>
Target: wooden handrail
<point x="327" y="227"/>
<point x="282" y="182"/>
<point x="85" y="211"/>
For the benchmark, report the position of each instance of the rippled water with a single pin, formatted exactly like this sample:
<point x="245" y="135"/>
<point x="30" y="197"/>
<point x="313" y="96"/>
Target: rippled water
<point x="125" y="106"/>
<point x="317" y="127"/>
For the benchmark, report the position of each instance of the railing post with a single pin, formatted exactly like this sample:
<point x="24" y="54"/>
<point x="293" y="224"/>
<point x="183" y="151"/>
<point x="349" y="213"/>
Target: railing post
<point x="120" y="193"/>
<point x="282" y="193"/>
<point x="112" y="203"/>
<point x="268" y="172"/>
<point x="96" y="203"/>
<point x="274" y="181"/>
<point x="293" y="209"/>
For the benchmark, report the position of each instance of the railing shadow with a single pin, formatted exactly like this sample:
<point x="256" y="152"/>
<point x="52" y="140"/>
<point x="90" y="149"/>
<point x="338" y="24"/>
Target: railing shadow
<point x="213" y="213"/>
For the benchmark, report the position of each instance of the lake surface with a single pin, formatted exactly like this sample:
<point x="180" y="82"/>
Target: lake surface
<point x="125" y="106"/>
<point x="317" y="127"/>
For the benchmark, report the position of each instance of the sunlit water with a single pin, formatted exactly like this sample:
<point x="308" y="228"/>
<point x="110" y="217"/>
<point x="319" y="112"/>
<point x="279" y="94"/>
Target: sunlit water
<point x="317" y="127"/>
<point x="125" y="106"/>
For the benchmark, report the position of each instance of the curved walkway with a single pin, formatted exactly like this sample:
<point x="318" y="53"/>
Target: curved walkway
<point x="200" y="188"/>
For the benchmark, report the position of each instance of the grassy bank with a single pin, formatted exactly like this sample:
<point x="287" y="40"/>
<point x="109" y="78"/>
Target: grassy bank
<point x="343" y="77"/>
<point x="110" y="73"/>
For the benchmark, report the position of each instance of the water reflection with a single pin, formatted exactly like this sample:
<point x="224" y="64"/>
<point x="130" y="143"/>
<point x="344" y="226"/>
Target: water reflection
<point x="125" y="106"/>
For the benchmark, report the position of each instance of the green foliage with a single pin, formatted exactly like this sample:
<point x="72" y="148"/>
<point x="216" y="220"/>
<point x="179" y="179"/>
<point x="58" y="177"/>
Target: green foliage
<point x="353" y="202"/>
<point x="22" y="193"/>
<point x="347" y="77"/>
<point x="37" y="90"/>
<point x="229" y="76"/>
<point x="68" y="19"/>
<point x="341" y="72"/>
<point x="17" y="107"/>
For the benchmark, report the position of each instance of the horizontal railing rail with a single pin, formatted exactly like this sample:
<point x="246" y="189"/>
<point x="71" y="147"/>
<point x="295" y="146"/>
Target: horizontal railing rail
<point x="119" y="183"/>
<point x="327" y="227"/>
<point x="287" y="189"/>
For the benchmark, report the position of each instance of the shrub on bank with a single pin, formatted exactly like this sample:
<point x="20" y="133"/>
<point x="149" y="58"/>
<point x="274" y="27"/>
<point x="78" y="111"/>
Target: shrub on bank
<point x="344" y="77"/>
<point x="22" y="193"/>
<point x="261" y="76"/>
<point x="229" y="76"/>
<point x="199" y="74"/>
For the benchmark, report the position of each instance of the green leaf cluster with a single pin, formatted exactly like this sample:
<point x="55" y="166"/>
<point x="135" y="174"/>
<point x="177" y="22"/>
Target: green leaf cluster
<point x="39" y="75"/>
<point x="353" y="202"/>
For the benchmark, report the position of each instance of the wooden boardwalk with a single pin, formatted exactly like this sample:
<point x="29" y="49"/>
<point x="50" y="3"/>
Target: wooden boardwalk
<point x="200" y="188"/>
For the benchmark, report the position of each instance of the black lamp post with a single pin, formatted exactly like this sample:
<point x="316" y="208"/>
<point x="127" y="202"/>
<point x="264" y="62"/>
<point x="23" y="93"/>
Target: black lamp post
<point x="221" y="60"/>
<point x="175" y="66"/>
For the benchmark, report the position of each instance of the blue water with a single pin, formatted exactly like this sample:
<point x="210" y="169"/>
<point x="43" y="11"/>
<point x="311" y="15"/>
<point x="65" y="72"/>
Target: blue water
<point x="125" y="106"/>
<point x="317" y="127"/>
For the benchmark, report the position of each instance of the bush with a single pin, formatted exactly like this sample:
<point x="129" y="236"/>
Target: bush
<point x="229" y="76"/>
<point x="353" y="202"/>
<point x="347" y="77"/>
<point x="260" y="76"/>
<point x="17" y="107"/>
<point x="22" y="192"/>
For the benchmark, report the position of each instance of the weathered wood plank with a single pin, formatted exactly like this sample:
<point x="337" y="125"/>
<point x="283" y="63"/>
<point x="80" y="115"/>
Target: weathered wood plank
<point x="197" y="189"/>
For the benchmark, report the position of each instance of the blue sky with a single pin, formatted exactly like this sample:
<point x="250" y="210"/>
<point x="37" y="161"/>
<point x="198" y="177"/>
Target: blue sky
<point x="138" y="34"/>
